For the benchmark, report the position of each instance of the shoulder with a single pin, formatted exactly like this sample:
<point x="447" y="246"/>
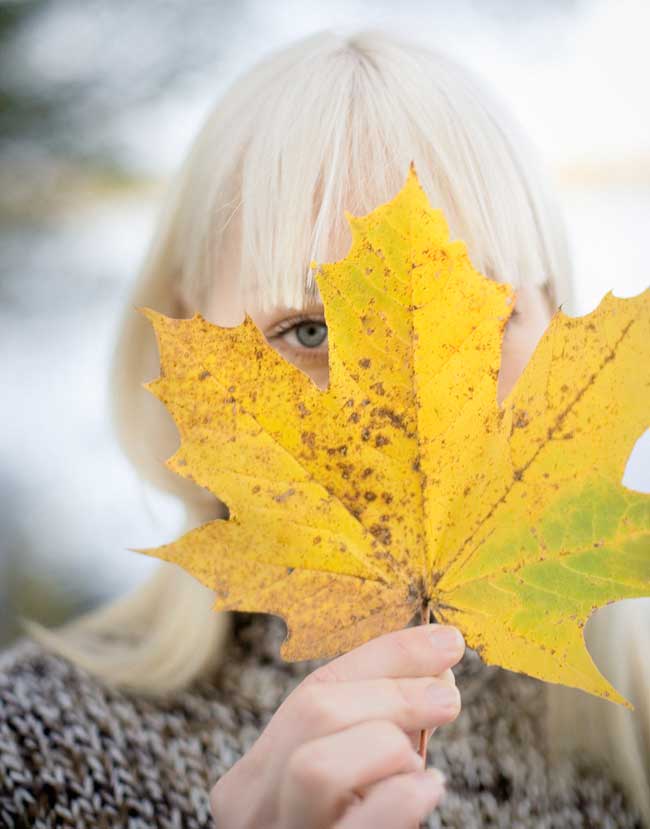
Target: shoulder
<point x="72" y="747"/>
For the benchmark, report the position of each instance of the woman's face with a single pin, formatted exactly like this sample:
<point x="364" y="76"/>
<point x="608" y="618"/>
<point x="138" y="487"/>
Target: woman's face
<point x="300" y="335"/>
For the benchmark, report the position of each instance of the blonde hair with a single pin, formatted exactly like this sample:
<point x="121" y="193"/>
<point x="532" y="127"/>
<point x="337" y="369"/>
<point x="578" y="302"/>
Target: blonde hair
<point x="330" y="124"/>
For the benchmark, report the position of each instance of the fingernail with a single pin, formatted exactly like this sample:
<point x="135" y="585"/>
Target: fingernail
<point x="437" y="777"/>
<point x="434" y="779"/>
<point x="443" y="695"/>
<point x="445" y="636"/>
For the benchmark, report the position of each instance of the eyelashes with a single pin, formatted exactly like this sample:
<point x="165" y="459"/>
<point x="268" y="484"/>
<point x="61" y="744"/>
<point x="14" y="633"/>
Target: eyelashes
<point x="304" y="334"/>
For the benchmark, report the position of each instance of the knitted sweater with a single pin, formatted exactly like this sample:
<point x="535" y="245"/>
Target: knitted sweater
<point x="74" y="753"/>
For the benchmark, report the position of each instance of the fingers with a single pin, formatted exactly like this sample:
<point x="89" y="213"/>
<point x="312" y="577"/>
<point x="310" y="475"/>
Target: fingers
<point x="322" y="775"/>
<point x="400" y="802"/>
<point x="423" y="650"/>
<point x="316" y="709"/>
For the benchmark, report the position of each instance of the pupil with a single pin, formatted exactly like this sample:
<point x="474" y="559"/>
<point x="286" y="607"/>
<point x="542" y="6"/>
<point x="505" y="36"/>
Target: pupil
<point x="311" y="334"/>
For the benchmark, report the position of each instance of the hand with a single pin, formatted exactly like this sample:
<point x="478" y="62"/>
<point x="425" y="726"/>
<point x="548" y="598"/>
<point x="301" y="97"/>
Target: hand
<point x="340" y="752"/>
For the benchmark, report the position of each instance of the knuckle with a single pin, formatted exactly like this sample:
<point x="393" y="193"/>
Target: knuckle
<point x="403" y="788"/>
<point x="405" y="645"/>
<point x="308" y="769"/>
<point x="405" y="703"/>
<point x="316" y="707"/>
<point x="396" y="744"/>
<point x="418" y="799"/>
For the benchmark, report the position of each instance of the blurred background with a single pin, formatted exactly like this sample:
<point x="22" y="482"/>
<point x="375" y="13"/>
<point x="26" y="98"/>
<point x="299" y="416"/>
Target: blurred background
<point x="99" y="100"/>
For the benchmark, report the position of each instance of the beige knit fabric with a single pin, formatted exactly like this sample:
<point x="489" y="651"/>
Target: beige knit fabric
<point x="74" y="753"/>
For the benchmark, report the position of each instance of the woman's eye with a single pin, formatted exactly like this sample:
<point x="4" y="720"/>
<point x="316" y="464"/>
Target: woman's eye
<point x="306" y="334"/>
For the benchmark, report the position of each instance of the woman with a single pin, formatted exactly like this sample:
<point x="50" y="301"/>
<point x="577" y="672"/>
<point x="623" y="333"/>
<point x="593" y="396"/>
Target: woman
<point x="155" y="711"/>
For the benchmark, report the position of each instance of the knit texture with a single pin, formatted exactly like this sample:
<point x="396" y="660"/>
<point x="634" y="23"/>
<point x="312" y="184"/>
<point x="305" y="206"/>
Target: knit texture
<point x="74" y="753"/>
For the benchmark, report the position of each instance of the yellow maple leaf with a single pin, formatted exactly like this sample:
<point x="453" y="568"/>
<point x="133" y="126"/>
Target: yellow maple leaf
<point x="405" y="486"/>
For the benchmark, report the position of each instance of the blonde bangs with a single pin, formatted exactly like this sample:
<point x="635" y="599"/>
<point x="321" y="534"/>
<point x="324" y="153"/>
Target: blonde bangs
<point x="333" y="128"/>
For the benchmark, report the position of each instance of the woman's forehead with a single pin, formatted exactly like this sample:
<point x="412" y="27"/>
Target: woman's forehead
<point x="229" y="301"/>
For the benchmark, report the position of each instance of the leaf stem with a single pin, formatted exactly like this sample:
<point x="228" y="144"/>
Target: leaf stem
<point x="425" y="616"/>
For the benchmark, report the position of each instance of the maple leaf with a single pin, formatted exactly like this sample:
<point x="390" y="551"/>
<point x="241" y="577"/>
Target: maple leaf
<point x="405" y="485"/>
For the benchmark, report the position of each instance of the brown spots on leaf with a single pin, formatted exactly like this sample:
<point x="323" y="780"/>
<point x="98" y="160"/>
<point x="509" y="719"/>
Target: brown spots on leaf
<point x="378" y="388"/>
<point x="369" y="496"/>
<point x="381" y="440"/>
<point x="290" y="570"/>
<point x="520" y="419"/>
<point x="415" y="466"/>
<point x="366" y="472"/>
<point x="284" y="495"/>
<point x="256" y="489"/>
<point x="384" y="411"/>
<point x="382" y="534"/>
<point x="338" y="450"/>
<point x="365" y="434"/>
<point x="317" y="539"/>
<point x="204" y="375"/>
<point x="303" y="411"/>
<point x="309" y="439"/>
<point x="355" y="417"/>
<point x="365" y="362"/>
<point x="346" y="470"/>
<point x="386" y="497"/>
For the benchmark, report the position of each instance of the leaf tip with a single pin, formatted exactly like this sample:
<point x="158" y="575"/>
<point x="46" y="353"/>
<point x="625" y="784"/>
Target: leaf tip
<point x="149" y="313"/>
<point x="146" y="551"/>
<point x="152" y="386"/>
